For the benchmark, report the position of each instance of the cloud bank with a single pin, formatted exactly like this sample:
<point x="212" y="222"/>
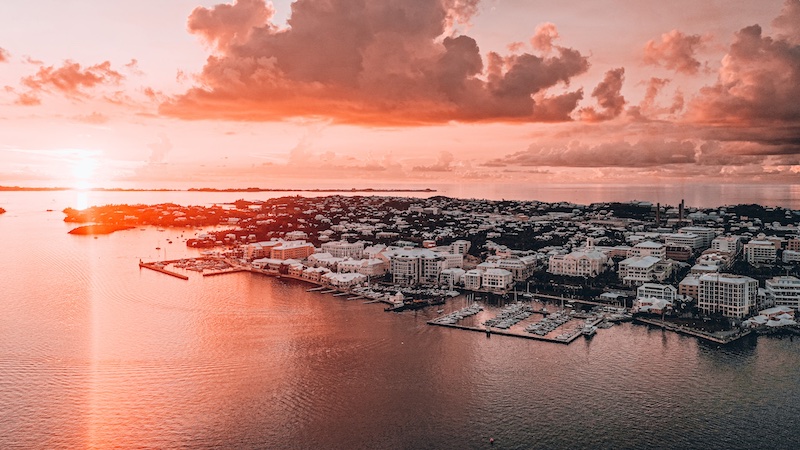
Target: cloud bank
<point x="370" y="62"/>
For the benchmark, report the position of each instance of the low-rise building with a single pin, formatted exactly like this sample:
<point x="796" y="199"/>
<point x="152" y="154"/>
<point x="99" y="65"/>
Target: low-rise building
<point x="638" y="270"/>
<point x="578" y="264"/>
<point x="648" y="248"/>
<point x="692" y="240"/>
<point x="760" y="252"/>
<point x="497" y="280"/>
<point x="292" y="250"/>
<point x="728" y="244"/>
<point x="344" y="249"/>
<point x="472" y="279"/>
<point x="658" y="291"/>
<point x="689" y="286"/>
<point x="784" y="291"/>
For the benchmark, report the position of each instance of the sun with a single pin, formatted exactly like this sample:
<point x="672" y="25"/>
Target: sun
<point x="83" y="171"/>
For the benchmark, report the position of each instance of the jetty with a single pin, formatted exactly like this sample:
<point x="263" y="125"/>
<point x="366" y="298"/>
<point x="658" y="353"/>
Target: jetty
<point x="715" y="338"/>
<point x="490" y="331"/>
<point x="158" y="268"/>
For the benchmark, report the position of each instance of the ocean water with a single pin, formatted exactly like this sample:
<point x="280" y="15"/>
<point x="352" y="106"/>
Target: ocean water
<point x="97" y="353"/>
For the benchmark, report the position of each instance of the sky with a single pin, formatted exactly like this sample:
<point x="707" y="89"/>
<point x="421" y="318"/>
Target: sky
<point x="253" y="93"/>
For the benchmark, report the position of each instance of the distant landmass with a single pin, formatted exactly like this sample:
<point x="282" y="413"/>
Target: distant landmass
<point x="249" y="189"/>
<point x="2" y="210"/>
<point x="99" y="229"/>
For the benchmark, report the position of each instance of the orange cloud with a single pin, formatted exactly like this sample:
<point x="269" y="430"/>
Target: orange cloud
<point x="4" y="55"/>
<point x="676" y="51"/>
<point x="608" y="96"/>
<point x="377" y="62"/>
<point x="758" y="83"/>
<point x="71" y="79"/>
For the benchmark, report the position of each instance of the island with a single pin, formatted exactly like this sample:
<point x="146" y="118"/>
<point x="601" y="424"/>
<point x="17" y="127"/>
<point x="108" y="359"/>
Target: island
<point x="2" y="211"/>
<point x="658" y="265"/>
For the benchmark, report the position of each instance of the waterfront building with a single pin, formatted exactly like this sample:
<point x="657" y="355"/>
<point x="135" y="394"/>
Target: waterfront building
<point x="688" y="239"/>
<point x="784" y="291"/>
<point x="690" y="286"/>
<point x="731" y="295"/>
<point x="472" y="279"/>
<point x="451" y="277"/>
<point x="729" y="244"/>
<point x="292" y="250"/>
<point x="658" y="291"/>
<point x="578" y="264"/>
<point x="344" y="249"/>
<point x="635" y="271"/>
<point x="412" y="266"/>
<point x="651" y="305"/>
<point x="497" y="280"/>
<point x="520" y="267"/>
<point x="343" y="280"/>
<point x="760" y="251"/>
<point x="325" y="260"/>
<point x="258" y="250"/>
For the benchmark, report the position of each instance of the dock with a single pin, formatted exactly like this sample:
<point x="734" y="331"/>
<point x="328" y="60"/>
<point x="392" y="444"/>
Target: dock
<point x="691" y="332"/>
<point x="489" y="331"/>
<point x="224" y="271"/>
<point x="152" y="266"/>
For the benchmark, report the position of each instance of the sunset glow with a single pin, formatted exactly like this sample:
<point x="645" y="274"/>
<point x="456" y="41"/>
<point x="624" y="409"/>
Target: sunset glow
<point x="249" y="92"/>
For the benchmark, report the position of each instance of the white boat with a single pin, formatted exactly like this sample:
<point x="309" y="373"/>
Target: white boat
<point x="589" y="330"/>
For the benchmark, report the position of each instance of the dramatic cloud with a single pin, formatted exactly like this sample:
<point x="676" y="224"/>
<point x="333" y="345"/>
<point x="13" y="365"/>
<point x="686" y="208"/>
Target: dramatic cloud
<point x="28" y="99"/>
<point x="71" y="79"/>
<point x="608" y="97"/>
<point x="4" y="55"/>
<point x="228" y="24"/>
<point x="676" y="51"/>
<point x="788" y="22"/>
<point x="613" y="154"/>
<point x="370" y="62"/>
<point x="759" y="82"/>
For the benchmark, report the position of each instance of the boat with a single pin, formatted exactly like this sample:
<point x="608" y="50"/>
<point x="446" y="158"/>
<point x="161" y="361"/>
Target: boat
<point x="158" y="248"/>
<point x="589" y="330"/>
<point x="439" y="311"/>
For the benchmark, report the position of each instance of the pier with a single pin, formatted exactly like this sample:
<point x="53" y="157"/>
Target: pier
<point x="490" y="331"/>
<point x="224" y="271"/>
<point x="723" y="340"/>
<point x="152" y="266"/>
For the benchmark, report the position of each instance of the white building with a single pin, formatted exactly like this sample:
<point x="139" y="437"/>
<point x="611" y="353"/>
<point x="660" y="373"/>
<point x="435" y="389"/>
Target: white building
<point x="791" y="256"/>
<point x="343" y="280"/>
<point x="578" y="264"/>
<point x="412" y="266"/>
<point x="784" y="291"/>
<point x="648" y="248"/>
<point x="760" y="251"/>
<point x="707" y="234"/>
<point x="521" y="268"/>
<point x="635" y="271"/>
<point x="344" y="249"/>
<point x="658" y="291"/>
<point x="732" y="295"/>
<point x="451" y="277"/>
<point x="472" y="279"/>
<point x="460" y="246"/>
<point x="728" y="244"/>
<point x="497" y="280"/>
<point x="688" y="239"/>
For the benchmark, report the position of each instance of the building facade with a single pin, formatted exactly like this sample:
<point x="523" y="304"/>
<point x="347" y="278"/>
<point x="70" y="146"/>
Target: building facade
<point x="731" y="295"/>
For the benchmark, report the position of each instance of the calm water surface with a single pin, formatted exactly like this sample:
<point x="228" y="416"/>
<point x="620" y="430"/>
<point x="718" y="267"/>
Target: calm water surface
<point x="96" y="353"/>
